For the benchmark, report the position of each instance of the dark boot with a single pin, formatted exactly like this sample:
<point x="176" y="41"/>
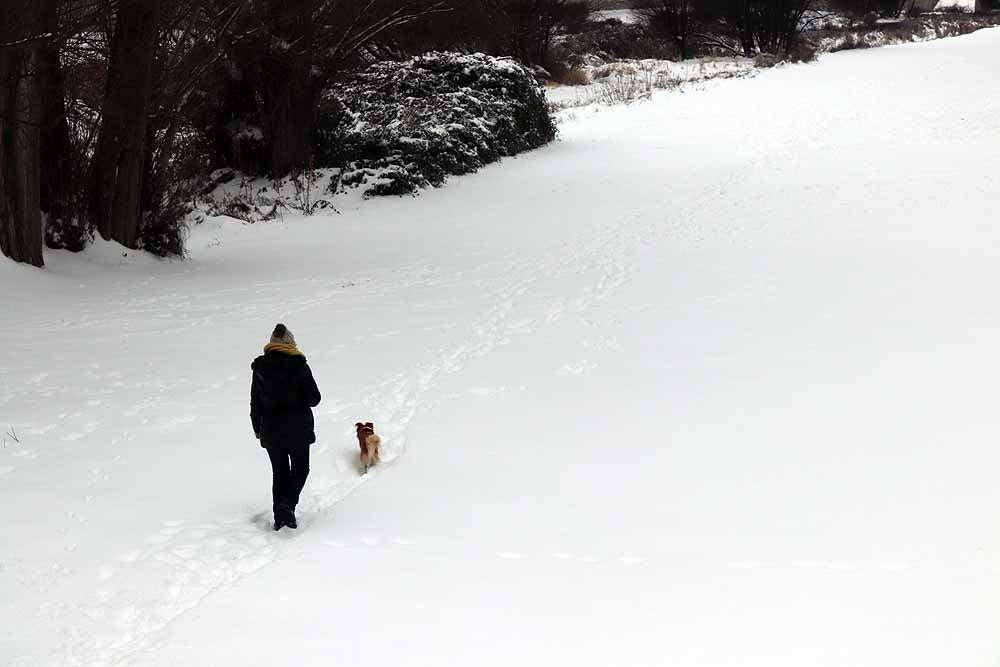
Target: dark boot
<point x="290" y="517"/>
<point x="284" y="515"/>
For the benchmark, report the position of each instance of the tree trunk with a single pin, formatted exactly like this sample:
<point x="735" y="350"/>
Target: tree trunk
<point x="290" y="118"/>
<point x="116" y="172"/>
<point x="20" y="156"/>
<point x="63" y="228"/>
<point x="291" y="122"/>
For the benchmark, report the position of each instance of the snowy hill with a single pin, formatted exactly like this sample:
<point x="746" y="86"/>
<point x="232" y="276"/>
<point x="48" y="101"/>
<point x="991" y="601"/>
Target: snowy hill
<point x="710" y="381"/>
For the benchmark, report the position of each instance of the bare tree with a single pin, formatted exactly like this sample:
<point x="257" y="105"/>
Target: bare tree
<point x="674" y="19"/>
<point x="64" y="167"/>
<point x="192" y="38"/>
<point x="754" y="26"/>
<point x="526" y="28"/>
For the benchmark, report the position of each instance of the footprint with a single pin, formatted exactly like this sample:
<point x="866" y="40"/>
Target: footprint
<point x="520" y="326"/>
<point x="894" y="567"/>
<point x="745" y="565"/>
<point x="252" y="563"/>
<point x="37" y="378"/>
<point x="632" y="560"/>
<point x="578" y="369"/>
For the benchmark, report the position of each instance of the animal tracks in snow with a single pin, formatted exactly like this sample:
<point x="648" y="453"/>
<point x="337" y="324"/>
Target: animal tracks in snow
<point x="577" y="369"/>
<point x="632" y="560"/>
<point x="372" y="542"/>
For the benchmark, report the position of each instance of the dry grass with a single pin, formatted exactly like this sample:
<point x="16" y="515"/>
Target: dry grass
<point x="575" y="76"/>
<point x="617" y="69"/>
<point x="622" y="89"/>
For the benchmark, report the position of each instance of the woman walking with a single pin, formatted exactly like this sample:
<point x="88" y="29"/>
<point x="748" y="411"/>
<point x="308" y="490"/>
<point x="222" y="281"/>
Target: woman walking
<point x="282" y="395"/>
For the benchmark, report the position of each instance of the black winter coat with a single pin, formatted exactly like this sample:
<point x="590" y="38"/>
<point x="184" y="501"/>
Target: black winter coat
<point x="282" y="395"/>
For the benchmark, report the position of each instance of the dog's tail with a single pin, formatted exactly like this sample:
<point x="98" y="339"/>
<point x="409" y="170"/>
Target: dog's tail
<point x="373" y="441"/>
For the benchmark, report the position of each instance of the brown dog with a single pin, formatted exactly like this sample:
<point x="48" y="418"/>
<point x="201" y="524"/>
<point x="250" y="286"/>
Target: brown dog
<point x="369" y="442"/>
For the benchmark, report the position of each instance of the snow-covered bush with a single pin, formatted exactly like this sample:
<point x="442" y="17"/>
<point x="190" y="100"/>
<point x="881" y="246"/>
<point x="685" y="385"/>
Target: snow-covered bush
<point x="401" y="126"/>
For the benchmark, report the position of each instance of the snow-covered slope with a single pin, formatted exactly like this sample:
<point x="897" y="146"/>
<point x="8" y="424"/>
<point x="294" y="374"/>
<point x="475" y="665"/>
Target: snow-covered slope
<point x="711" y="381"/>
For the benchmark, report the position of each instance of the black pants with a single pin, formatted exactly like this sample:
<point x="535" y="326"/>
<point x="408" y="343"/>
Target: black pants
<point x="290" y="468"/>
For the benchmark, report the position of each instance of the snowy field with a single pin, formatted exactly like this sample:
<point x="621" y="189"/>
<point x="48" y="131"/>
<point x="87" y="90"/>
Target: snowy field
<point x="709" y="382"/>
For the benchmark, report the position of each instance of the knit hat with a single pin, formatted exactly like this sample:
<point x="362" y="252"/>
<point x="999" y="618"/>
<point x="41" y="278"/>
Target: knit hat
<point x="282" y="334"/>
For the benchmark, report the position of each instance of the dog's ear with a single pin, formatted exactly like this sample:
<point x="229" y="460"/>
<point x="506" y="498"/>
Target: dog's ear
<point x="358" y="425"/>
<point x="370" y="425"/>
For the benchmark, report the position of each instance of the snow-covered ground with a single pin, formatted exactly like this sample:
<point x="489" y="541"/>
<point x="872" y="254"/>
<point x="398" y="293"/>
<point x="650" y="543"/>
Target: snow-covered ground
<point x="710" y="381"/>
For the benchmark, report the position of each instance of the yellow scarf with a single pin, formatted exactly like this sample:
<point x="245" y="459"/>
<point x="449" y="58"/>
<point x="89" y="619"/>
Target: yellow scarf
<point x="284" y="348"/>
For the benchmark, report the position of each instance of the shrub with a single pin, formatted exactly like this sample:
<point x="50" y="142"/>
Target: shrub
<point x="623" y="88"/>
<point x="69" y="233"/>
<point x="851" y="41"/>
<point x="163" y="231"/>
<point x="803" y="51"/>
<point x="765" y="60"/>
<point x="611" y="39"/>
<point x="401" y="126"/>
